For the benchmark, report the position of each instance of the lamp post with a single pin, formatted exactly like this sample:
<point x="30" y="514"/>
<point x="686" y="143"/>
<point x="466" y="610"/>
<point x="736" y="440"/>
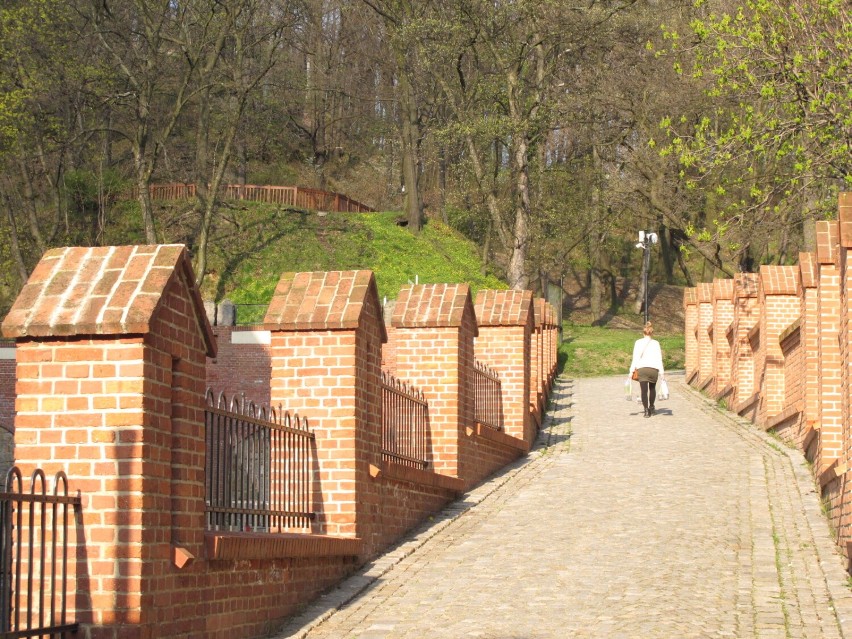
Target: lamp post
<point x="646" y="239"/>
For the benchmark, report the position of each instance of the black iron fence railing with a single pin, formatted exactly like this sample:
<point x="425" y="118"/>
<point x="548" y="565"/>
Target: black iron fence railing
<point x="34" y="552"/>
<point x="488" y="396"/>
<point x="405" y="423"/>
<point x="259" y="471"/>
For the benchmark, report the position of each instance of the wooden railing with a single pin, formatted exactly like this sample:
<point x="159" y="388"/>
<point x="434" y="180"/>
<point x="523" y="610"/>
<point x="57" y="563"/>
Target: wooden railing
<point x="296" y="196"/>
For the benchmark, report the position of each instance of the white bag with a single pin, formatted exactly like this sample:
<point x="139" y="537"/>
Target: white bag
<point x="663" y="392"/>
<point x="628" y="389"/>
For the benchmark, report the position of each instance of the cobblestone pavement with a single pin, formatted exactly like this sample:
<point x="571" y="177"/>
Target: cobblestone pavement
<point x="688" y="524"/>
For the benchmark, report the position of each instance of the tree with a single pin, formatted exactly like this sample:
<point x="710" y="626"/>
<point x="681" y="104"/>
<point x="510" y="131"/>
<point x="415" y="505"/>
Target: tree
<point x="779" y="135"/>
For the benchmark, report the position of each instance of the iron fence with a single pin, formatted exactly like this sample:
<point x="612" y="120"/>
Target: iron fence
<point x="259" y="470"/>
<point x="488" y="396"/>
<point x="34" y="551"/>
<point x="405" y="423"/>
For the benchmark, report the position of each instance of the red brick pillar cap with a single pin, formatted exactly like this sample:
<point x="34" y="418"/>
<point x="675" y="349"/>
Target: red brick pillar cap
<point x="723" y="289"/>
<point x="433" y="306"/>
<point x="690" y="296"/>
<point x="746" y="285"/>
<point x="104" y="290"/>
<point x="322" y="300"/>
<point x="504" y="307"/>
<point x="808" y="269"/>
<point x="780" y="280"/>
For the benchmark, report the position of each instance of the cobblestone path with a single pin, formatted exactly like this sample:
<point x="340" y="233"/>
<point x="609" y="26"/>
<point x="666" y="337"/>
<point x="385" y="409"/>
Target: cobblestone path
<point x="688" y="524"/>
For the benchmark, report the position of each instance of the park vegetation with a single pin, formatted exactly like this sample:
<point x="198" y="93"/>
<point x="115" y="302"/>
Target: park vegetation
<point x="546" y="131"/>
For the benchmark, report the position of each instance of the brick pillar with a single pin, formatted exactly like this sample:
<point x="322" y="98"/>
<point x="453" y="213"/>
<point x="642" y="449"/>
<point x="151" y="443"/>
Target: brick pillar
<point x="828" y="293"/>
<point x="705" y="339"/>
<point x="537" y="372"/>
<point x="844" y="216"/>
<point x="810" y="339"/>
<point x="435" y="326"/>
<point x="746" y="316"/>
<point x="326" y="347"/>
<point x="552" y="344"/>
<point x="780" y="292"/>
<point x="111" y="351"/>
<point x="723" y="316"/>
<point x="505" y="321"/>
<point x="690" y="328"/>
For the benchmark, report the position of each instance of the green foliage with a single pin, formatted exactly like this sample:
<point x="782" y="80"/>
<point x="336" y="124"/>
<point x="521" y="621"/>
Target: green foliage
<point x="592" y="351"/>
<point x="778" y="74"/>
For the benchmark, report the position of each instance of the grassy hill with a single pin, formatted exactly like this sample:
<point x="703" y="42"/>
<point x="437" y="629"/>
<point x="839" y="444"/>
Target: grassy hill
<point x="257" y="243"/>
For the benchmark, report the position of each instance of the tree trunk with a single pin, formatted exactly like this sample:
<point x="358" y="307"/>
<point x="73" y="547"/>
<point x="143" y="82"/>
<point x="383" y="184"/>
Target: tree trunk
<point x="15" y="244"/>
<point x="410" y="144"/>
<point x="517" y="272"/>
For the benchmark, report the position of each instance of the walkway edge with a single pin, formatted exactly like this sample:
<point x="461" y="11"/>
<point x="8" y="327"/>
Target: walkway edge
<point x="366" y="577"/>
<point x="830" y="560"/>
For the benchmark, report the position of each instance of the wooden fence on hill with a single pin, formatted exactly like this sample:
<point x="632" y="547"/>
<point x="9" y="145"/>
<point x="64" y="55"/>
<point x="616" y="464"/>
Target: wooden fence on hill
<point x="295" y="196"/>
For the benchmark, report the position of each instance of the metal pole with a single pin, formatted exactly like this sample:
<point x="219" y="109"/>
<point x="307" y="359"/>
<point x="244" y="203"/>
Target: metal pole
<point x="646" y="263"/>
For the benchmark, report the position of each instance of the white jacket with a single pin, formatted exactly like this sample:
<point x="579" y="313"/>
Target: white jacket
<point x="647" y="354"/>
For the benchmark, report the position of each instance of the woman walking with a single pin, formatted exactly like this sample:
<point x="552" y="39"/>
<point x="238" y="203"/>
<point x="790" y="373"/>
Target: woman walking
<point x="648" y="364"/>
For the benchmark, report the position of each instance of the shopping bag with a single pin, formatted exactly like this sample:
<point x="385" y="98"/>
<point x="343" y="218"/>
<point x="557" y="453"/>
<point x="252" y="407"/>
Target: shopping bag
<point x="663" y="393"/>
<point x="628" y="389"/>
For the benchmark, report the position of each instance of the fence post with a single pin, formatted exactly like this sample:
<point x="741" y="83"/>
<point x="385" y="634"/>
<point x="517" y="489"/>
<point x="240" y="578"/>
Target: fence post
<point x="705" y="343"/>
<point x="505" y="319"/>
<point x="690" y="319"/>
<point x="326" y="346"/>
<point x="111" y="353"/>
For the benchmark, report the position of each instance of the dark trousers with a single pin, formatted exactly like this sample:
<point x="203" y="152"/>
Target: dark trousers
<point x="649" y="394"/>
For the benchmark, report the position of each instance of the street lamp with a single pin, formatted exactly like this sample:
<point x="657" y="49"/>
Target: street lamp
<point x="646" y="239"/>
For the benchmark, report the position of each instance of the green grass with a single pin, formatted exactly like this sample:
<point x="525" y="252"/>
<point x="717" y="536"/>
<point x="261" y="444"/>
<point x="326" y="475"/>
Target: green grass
<point x="260" y="243"/>
<point x="592" y="351"/>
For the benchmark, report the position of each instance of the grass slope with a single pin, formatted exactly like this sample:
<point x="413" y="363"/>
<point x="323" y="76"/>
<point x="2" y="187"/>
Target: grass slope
<point x="260" y="242"/>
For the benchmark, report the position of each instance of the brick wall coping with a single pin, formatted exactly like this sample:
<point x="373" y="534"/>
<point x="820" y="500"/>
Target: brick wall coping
<point x="827" y="241"/>
<point x="723" y="289"/>
<point x="746" y="285"/>
<point x="705" y="292"/>
<point x="780" y="280"/>
<point x="229" y="546"/>
<point x="432" y="305"/>
<point x="504" y="307"/>
<point x="808" y="270"/>
<point x="499" y="437"/>
<point x="729" y="332"/>
<point x="789" y="413"/>
<point x="321" y="300"/>
<point x="104" y="290"/>
<point x="753" y="333"/>
<point x="690" y="296"/>
<point x="790" y="331"/>
<point x="421" y="477"/>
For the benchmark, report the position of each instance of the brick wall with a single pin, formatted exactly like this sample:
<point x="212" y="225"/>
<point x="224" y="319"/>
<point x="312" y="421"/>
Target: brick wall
<point x="746" y="314"/>
<point x="791" y="357"/>
<point x="690" y="330"/>
<point x="723" y="317"/>
<point x="505" y="328"/>
<point x="114" y="353"/>
<point x="242" y="365"/>
<point x="705" y="337"/>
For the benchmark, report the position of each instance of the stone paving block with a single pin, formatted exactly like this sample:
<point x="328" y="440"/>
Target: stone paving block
<point x="689" y="524"/>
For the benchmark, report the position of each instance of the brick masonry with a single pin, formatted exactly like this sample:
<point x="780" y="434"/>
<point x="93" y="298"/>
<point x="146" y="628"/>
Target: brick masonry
<point x="113" y="356"/>
<point x="789" y="355"/>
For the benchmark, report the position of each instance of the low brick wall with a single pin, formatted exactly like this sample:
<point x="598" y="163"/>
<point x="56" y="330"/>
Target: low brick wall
<point x="790" y="363"/>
